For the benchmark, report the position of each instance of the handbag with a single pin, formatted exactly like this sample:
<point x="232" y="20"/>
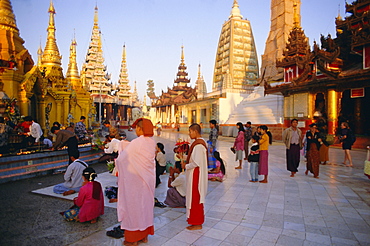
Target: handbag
<point x="232" y="150"/>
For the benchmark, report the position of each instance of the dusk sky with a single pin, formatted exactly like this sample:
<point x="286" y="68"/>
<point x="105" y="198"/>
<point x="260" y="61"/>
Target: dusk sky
<point x="155" y="30"/>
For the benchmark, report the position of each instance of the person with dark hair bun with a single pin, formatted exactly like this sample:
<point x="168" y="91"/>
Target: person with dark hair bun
<point x="218" y="173"/>
<point x="160" y="162"/>
<point x="90" y="201"/>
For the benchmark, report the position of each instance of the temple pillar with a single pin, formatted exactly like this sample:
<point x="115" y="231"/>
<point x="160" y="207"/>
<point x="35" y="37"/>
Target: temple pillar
<point x="332" y="111"/>
<point x="23" y="103"/>
<point x="59" y="110"/>
<point x="41" y="114"/>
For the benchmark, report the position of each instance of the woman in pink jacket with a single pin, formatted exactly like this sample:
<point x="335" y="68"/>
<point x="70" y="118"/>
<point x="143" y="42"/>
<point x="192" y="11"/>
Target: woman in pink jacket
<point x="239" y="144"/>
<point x="89" y="204"/>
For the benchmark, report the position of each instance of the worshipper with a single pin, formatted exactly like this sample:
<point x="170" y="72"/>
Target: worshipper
<point x="111" y="129"/>
<point x="71" y="127"/>
<point x="265" y="140"/>
<point x="177" y="158"/>
<point x="196" y="178"/>
<point x="239" y="145"/>
<point x="247" y="138"/>
<point x="160" y="162"/>
<point x="136" y="184"/>
<point x="313" y="155"/>
<point x="213" y="134"/>
<point x="158" y="127"/>
<point x="292" y="138"/>
<point x="177" y="189"/>
<point x="253" y="158"/>
<point x="65" y="138"/>
<point x="4" y="136"/>
<point x="80" y="129"/>
<point x="324" y="145"/>
<point x="72" y="177"/>
<point x="89" y="204"/>
<point x="35" y="133"/>
<point x="218" y="173"/>
<point x="347" y="143"/>
<point x="110" y="149"/>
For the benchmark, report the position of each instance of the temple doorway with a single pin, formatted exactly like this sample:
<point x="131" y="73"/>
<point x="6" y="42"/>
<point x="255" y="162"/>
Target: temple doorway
<point x="354" y="111"/>
<point x="320" y="114"/>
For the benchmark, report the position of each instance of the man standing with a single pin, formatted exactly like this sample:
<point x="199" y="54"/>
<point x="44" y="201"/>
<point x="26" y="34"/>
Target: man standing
<point x="213" y="134"/>
<point x="136" y="184"/>
<point x="247" y="138"/>
<point x="65" y="138"/>
<point x="80" y="129"/>
<point x="292" y="138"/>
<point x="196" y="178"/>
<point x="72" y="177"/>
<point x="35" y="132"/>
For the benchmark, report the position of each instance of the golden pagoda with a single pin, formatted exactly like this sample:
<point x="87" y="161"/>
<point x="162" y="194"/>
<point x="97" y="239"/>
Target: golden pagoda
<point x="236" y="65"/>
<point x="45" y="93"/>
<point x="12" y="49"/>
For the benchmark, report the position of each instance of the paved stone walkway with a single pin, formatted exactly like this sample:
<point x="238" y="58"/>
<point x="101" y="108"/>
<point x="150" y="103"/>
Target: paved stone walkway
<point x="331" y="210"/>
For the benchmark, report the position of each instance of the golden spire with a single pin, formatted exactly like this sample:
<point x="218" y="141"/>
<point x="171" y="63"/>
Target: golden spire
<point x="51" y="54"/>
<point x="182" y="54"/>
<point x="96" y="19"/>
<point x="72" y="72"/>
<point x="296" y="22"/>
<point x="199" y="74"/>
<point x="235" y="11"/>
<point x="39" y="56"/>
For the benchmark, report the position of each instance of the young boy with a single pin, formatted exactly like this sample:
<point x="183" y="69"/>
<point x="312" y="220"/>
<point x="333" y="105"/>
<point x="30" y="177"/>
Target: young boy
<point x="253" y="159"/>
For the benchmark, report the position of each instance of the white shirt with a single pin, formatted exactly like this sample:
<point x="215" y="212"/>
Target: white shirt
<point x="35" y="131"/>
<point x="180" y="183"/>
<point x="112" y="146"/>
<point x="161" y="158"/>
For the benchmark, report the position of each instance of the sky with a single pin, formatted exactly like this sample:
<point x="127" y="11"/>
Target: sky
<point x="154" y="31"/>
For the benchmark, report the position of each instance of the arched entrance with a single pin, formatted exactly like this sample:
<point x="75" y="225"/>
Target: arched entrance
<point x="320" y="114"/>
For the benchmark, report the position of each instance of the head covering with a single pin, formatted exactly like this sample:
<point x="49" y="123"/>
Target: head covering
<point x="147" y="126"/>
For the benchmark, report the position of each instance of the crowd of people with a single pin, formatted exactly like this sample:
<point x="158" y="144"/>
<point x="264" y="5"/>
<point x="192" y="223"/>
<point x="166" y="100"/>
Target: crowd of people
<point x="141" y="162"/>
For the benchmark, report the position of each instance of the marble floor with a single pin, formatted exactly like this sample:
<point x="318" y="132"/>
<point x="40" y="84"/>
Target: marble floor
<point x="331" y="210"/>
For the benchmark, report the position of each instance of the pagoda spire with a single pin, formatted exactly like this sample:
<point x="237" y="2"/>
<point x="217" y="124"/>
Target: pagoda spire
<point x="182" y="75"/>
<point x="51" y="54"/>
<point x="123" y="86"/>
<point x="39" y="56"/>
<point x="72" y="72"/>
<point x="94" y="76"/>
<point x="235" y="11"/>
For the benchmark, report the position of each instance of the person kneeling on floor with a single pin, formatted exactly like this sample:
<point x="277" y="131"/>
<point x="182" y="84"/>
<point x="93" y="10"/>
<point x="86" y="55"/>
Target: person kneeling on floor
<point x="73" y="177"/>
<point x="89" y="204"/>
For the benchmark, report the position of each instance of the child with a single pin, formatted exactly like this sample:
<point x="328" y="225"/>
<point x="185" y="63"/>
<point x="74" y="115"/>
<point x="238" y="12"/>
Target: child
<point x="89" y="204"/>
<point x="218" y="173"/>
<point x="265" y="140"/>
<point x="253" y="158"/>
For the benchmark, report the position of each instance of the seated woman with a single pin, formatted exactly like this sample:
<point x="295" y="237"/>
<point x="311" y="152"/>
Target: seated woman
<point x="89" y="204"/>
<point x="218" y="173"/>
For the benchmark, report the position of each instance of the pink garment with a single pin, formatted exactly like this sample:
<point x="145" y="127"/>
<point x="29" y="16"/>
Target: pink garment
<point x="239" y="141"/>
<point x="136" y="184"/>
<point x="90" y="208"/>
<point x="218" y="175"/>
